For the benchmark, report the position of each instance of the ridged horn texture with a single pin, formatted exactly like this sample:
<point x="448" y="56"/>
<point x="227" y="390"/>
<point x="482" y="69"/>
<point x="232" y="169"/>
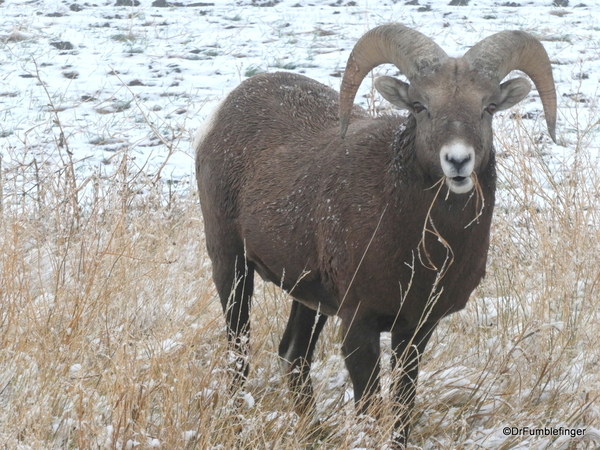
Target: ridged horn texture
<point x="498" y="55"/>
<point x="413" y="53"/>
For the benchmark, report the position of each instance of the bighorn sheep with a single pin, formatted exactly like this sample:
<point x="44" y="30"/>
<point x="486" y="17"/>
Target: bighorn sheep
<point x="386" y="224"/>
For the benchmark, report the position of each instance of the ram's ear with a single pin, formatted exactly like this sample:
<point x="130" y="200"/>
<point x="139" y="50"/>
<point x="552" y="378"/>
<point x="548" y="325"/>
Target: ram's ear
<point x="512" y="92"/>
<point x="394" y="91"/>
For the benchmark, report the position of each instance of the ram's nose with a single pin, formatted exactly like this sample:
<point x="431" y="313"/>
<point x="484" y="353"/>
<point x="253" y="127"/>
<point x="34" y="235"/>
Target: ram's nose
<point x="458" y="161"/>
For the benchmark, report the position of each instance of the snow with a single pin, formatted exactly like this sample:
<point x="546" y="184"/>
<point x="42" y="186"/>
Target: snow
<point x="90" y="82"/>
<point x="248" y="400"/>
<point x="142" y="79"/>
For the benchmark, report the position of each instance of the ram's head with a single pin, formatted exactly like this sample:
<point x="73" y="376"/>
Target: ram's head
<point x="452" y="99"/>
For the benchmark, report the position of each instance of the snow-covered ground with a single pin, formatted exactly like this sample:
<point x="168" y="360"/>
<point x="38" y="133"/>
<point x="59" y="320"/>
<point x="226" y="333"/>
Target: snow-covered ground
<point x="83" y="85"/>
<point x="88" y="80"/>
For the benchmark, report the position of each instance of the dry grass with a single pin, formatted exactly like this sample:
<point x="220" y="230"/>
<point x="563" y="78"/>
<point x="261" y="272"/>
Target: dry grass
<point x="112" y="336"/>
<point x="524" y="351"/>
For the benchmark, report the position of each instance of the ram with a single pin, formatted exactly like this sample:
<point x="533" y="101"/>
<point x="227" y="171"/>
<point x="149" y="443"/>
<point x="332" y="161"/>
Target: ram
<point x="383" y="222"/>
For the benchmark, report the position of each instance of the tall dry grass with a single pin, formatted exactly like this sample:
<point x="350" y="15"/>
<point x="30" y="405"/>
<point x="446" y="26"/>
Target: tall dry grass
<point x="524" y="353"/>
<point x="112" y="336"/>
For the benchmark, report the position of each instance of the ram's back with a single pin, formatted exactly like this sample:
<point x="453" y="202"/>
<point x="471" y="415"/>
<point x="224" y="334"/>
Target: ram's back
<point x="266" y="119"/>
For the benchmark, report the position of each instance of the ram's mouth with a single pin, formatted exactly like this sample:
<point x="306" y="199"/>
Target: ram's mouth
<point x="459" y="185"/>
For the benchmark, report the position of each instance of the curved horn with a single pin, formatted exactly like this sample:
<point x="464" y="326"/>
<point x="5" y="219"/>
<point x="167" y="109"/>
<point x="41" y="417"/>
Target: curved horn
<point x="498" y="55"/>
<point x="411" y="52"/>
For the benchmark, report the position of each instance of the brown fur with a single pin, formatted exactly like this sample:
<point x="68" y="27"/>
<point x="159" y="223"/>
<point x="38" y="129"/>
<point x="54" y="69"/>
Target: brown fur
<point x="339" y="224"/>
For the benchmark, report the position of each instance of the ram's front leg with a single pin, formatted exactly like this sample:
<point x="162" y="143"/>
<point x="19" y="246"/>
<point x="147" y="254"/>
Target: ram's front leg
<point x="408" y="348"/>
<point x="296" y="351"/>
<point x="361" y="350"/>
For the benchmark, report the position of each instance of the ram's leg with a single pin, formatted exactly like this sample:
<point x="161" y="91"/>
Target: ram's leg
<point x="296" y="351"/>
<point x="361" y="349"/>
<point x="234" y="279"/>
<point x="408" y="348"/>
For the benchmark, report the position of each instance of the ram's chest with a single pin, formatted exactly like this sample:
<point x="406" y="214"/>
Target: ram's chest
<point x="434" y="257"/>
<point x="449" y="261"/>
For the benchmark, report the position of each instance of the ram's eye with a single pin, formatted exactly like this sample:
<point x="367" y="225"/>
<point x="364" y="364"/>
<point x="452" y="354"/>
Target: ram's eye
<point x="491" y="108"/>
<point x="418" y="107"/>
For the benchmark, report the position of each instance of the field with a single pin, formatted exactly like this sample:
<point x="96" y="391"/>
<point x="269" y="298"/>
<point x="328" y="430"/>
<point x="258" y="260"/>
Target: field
<point x="111" y="332"/>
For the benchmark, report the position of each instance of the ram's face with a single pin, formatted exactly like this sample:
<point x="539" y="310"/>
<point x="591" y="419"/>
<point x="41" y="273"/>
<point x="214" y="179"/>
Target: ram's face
<point x="453" y="108"/>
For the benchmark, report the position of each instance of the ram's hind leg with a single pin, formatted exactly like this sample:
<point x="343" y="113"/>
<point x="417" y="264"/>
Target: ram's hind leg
<point x="234" y="278"/>
<point x="296" y="352"/>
